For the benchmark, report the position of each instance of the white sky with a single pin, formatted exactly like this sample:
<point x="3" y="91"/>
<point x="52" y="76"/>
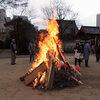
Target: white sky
<point x="87" y="9"/>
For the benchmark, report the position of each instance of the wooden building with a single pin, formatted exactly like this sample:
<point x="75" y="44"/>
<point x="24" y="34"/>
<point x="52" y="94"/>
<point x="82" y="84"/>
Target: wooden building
<point x="68" y="30"/>
<point x="91" y="33"/>
<point x="23" y="31"/>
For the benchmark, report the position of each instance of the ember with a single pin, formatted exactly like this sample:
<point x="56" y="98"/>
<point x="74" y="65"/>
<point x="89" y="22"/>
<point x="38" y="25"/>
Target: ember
<point x="51" y="69"/>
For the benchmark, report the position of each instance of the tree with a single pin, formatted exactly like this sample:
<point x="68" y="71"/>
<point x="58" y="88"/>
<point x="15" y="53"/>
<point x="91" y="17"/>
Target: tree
<point x="14" y="6"/>
<point x="61" y="11"/>
<point x="30" y="12"/>
<point x="19" y="7"/>
<point x="23" y="32"/>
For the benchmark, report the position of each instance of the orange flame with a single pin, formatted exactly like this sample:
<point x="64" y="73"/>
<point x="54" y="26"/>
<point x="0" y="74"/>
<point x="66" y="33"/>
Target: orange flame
<point x="43" y="78"/>
<point x="40" y="79"/>
<point x="48" y="43"/>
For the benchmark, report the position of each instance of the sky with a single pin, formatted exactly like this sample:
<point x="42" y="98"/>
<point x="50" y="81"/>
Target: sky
<point x="87" y="9"/>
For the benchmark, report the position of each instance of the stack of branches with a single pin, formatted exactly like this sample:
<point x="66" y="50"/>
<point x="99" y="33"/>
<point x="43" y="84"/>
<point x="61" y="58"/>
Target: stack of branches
<point x="55" y="78"/>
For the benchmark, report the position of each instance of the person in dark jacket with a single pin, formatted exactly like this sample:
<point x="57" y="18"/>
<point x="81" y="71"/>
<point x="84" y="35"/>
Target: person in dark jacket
<point x="13" y="51"/>
<point x="86" y="53"/>
<point x="30" y="48"/>
<point x="97" y="49"/>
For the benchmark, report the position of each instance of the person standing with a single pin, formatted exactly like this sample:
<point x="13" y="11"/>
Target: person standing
<point x="13" y="51"/>
<point x="35" y="48"/>
<point x="30" y="48"/>
<point x="97" y="49"/>
<point x="86" y="53"/>
<point x="77" y="54"/>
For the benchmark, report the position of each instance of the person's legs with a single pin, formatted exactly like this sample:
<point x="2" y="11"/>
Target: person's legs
<point x="86" y="63"/>
<point x="75" y="61"/>
<point x="79" y="61"/>
<point x="33" y="57"/>
<point x="34" y="52"/>
<point x="30" y="58"/>
<point x="12" y="58"/>
<point x="97" y="57"/>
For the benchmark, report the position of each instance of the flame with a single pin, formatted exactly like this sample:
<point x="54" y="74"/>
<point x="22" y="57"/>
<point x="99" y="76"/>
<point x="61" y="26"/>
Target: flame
<point x="40" y="79"/>
<point x="35" y="82"/>
<point x="43" y="78"/>
<point x="48" y="43"/>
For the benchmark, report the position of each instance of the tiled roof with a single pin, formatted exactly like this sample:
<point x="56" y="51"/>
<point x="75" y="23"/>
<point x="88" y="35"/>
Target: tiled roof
<point x="90" y="29"/>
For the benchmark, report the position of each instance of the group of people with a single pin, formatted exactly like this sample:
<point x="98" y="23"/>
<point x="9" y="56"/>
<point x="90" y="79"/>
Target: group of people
<point x="86" y="52"/>
<point x="32" y="50"/>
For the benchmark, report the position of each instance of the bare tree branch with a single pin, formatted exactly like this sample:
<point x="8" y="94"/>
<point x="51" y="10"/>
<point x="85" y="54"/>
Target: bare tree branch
<point x="13" y="5"/>
<point x="60" y="9"/>
<point x="30" y="12"/>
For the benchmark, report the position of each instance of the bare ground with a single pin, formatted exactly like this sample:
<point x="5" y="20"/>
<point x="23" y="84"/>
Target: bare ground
<point x="12" y="89"/>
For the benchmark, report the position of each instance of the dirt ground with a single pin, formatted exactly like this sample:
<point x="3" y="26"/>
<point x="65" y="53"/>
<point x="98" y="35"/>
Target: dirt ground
<point x="11" y="88"/>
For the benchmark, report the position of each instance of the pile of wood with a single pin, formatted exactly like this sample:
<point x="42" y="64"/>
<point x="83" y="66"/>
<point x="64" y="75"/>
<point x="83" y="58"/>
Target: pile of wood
<point x="64" y="78"/>
<point x="55" y="78"/>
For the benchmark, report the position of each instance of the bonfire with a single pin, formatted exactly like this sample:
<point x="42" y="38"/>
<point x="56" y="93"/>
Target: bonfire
<point x="51" y="69"/>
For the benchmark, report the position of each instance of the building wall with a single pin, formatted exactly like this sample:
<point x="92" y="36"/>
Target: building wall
<point x="98" y="20"/>
<point x="71" y="29"/>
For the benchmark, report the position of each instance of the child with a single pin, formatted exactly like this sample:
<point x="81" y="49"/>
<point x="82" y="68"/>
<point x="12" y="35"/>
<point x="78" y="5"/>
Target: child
<point x="77" y="54"/>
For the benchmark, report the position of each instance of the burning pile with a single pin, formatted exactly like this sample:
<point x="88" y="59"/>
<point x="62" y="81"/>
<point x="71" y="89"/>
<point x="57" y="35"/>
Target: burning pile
<point x="51" y="69"/>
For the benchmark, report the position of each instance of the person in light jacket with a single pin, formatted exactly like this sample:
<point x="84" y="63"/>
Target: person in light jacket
<point x="86" y="53"/>
<point x="77" y="54"/>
